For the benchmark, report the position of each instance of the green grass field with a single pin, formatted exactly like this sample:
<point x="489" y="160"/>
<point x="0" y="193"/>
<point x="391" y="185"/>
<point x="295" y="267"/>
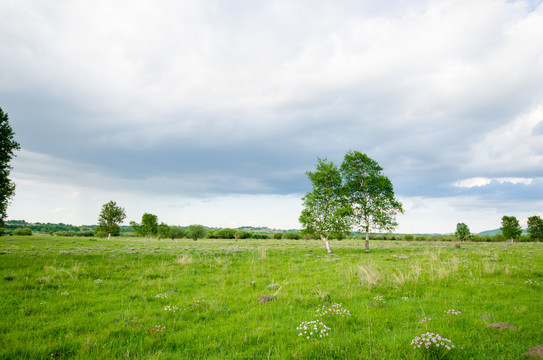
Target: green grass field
<point x="131" y="298"/>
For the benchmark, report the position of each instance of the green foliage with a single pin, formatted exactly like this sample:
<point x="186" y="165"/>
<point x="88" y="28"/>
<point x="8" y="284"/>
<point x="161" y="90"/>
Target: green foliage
<point x="278" y="236"/>
<point x="177" y="232"/>
<point x="535" y="227"/>
<point x="296" y="236"/>
<point x="163" y="230"/>
<point x="110" y="218"/>
<point x="22" y="232"/>
<point x="326" y="211"/>
<point x="511" y="228"/>
<point x="148" y="226"/>
<point x="8" y="146"/>
<point x="196" y="232"/>
<point x="370" y="194"/>
<point x="462" y="232"/>
<point x="226" y="233"/>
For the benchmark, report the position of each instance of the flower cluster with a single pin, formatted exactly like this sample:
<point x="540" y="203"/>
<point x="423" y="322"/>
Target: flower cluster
<point x="157" y="329"/>
<point x="170" y="308"/>
<point x="424" y="320"/>
<point x="98" y="281"/>
<point x="162" y="296"/>
<point x="313" y="329"/>
<point x="531" y="282"/>
<point x="65" y="293"/>
<point x="199" y="301"/>
<point x="379" y="302"/>
<point x="451" y="312"/>
<point x="333" y="310"/>
<point x="432" y="346"/>
<point x="405" y="298"/>
<point x="272" y="286"/>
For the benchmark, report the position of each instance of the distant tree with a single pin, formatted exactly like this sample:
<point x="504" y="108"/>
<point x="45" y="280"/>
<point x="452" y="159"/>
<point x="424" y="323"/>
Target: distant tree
<point x="462" y="233"/>
<point x="326" y="211"/>
<point x="148" y="226"/>
<point x="110" y="219"/>
<point x="535" y="227"/>
<point x="226" y="233"/>
<point x="8" y="146"/>
<point x="176" y="232"/>
<point x="196" y="232"/>
<point x="511" y="228"/>
<point x="370" y="194"/>
<point x="278" y="236"/>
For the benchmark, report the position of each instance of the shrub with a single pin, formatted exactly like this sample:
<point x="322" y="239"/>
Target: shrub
<point x="278" y="236"/>
<point x="293" y="236"/>
<point x="22" y="232"/>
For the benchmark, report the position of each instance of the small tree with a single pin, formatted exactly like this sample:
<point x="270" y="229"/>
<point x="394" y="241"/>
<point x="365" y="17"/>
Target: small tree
<point x="511" y="228"/>
<point x="7" y="151"/>
<point x="462" y="233"/>
<point x="370" y="194"/>
<point x="326" y="211"/>
<point x="535" y="227"/>
<point x="196" y="232"/>
<point x="176" y="232"/>
<point x="148" y="226"/>
<point x="110" y="219"/>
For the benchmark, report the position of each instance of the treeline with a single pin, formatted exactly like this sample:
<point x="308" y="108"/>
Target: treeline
<point x="21" y="227"/>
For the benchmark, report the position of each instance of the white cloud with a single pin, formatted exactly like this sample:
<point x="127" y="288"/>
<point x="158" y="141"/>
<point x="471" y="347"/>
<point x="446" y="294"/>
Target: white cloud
<point x="469" y="183"/>
<point x="483" y="181"/>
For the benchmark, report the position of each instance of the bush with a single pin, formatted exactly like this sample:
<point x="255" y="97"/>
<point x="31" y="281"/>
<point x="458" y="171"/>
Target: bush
<point x="292" y="236"/>
<point x="498" y="238"/>
<point x="22" y="232"/>
<point x="260" y="236"/>
<point x="408" y="237"/>
<point x="278" y="236"/>
<point x="101" y="234"/>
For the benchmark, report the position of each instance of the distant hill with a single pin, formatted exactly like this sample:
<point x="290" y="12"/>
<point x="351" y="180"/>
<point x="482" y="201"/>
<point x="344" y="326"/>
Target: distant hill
<point x="498" y="231"/>
<point x="490" y="232"/>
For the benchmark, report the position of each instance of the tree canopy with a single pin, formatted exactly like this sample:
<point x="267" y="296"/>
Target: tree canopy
<point x="196" y="232"/>
<point x="8" y="146"/>
<point x="510" y="227"/>
<point x="462" y="232"/>
<point x="148" y="227"/>
<point x="370" y="194"/>
<point x="326" y="211"/>
<point x="535" y="227"/>
<point x="110" y="219"/>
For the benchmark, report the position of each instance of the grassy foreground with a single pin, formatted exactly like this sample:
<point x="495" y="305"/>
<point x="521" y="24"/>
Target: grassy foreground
<point x="131" y="298"/>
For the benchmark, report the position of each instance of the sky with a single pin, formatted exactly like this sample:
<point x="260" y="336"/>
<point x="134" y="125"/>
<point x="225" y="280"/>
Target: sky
<point x="210" y="112"/>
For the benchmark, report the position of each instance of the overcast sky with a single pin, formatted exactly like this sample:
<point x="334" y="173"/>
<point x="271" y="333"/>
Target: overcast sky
<point x="211" y="112"/>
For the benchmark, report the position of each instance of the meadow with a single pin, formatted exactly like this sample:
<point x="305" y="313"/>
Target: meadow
<point x="78" y="298"/>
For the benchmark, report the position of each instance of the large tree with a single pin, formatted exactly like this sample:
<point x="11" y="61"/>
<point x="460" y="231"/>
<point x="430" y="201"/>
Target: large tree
<point x="110" y="219"/>
<point x="370" y="194"/>
<point x="511" y="228"/>
<point x="326" y="212"/>
<point x="535" y="227"/>
<point x="7" y="151"/>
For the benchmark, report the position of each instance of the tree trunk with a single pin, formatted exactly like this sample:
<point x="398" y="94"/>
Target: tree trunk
<point x="367" y="239"/>
<point x="328" y="248"/>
